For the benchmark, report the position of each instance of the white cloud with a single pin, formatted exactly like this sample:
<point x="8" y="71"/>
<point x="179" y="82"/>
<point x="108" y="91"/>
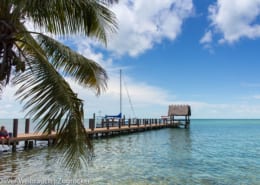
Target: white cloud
<point x="10" y="107"/>
<point x="207" y="38"/>
<point x="206" y="41"/>
<point x="235" y="19"/>
<point x="143" y="24"/>
<point x="256" y="97"/>
<point x="147" y="100"/>
<point x="150" y="101"/>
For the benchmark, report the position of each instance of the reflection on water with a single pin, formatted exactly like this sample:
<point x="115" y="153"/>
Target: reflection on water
<point x="210" y="152"/>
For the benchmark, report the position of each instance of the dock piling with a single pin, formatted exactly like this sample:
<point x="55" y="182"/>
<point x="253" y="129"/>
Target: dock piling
<point x="27" y="130"/>
<point x="129" y="123"/>
<point x="109" y="128"/>
<point x="91" y="124"/>
<point x="15" y="132"/>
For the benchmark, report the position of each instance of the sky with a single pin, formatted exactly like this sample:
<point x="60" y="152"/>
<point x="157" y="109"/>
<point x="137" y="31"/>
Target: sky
<point x="202" y="53"/>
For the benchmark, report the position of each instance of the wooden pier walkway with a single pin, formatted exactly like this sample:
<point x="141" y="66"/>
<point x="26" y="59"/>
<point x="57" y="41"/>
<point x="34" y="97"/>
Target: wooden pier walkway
<point x="106" y="128"/>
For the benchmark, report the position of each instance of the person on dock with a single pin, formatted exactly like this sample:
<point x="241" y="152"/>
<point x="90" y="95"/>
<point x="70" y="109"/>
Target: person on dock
<point x="3" y="134"/>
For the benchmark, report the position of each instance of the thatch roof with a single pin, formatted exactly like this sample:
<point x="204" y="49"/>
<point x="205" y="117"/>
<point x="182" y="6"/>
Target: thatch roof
<point x="179" y="110"/>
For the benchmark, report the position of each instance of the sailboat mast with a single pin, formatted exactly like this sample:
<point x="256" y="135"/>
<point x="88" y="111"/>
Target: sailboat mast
<point x="121" y="91"/>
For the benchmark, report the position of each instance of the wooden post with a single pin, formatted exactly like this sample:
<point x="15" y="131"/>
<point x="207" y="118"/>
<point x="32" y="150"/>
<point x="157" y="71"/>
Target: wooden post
<point x="15" y="132"/>
<point x="107" y="123"/>
<point x="187" y="121"/>
<point x="129" y="122"/>
<point x="50" y="128"/>
<point x="30" y="144"/>
<point x="27" y="130"/>
<point x="27" y="126"/>
<point x="119" y="123"/>
<point x="91" y="124"/>
<point x="102" y="123"/>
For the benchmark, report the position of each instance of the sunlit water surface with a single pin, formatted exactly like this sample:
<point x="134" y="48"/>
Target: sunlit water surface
<point x="211" y="152"/>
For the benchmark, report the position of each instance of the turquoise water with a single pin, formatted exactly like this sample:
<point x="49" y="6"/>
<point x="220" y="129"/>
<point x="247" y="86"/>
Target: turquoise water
<point x="211" y="152"/>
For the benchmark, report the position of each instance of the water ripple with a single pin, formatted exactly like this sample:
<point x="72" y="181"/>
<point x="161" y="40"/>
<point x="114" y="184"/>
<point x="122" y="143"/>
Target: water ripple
<point x="211" y="152"/>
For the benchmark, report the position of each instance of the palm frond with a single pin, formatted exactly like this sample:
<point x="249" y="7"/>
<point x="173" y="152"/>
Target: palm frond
<point x="85" y="71"/>
<point x="1" y="88"/>
<point x="90" y="17"/>
<point x="8" y="32"/>
<point x="39" y="65"/>
<point x="108" y="2"/>
<point x="49" y="98"/>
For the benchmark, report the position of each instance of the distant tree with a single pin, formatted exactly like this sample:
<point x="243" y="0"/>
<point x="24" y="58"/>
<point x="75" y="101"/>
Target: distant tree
<point x="38" y="63"/>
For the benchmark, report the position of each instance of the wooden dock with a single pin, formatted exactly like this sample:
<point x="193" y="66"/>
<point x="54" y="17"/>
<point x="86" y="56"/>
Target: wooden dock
<point x="107" y="127"/>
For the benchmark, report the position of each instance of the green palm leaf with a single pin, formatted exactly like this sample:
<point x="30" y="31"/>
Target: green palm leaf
<point x="40" y="63"/>
<point x="49" y="98"/>
<point x="85" y="71"/>
<point x="68" y="17"/>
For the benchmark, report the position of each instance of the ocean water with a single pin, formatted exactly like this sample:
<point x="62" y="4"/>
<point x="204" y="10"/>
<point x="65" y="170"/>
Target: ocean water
<point x="210" y="152"/>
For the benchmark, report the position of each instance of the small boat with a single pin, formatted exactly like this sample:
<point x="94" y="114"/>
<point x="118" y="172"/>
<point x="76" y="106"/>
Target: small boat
<point x="120" y="115"/>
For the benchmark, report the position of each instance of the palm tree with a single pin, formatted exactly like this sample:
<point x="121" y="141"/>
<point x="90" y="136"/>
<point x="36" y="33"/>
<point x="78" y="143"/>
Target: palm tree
<point x="38" y="63"/>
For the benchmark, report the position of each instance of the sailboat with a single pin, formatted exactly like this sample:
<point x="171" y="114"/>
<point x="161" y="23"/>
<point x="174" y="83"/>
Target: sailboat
<point x="118" y="116"/>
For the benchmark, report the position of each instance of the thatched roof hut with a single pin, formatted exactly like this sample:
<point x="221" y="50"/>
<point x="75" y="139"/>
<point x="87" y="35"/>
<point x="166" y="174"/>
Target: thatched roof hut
<point x="179" y="110"/>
